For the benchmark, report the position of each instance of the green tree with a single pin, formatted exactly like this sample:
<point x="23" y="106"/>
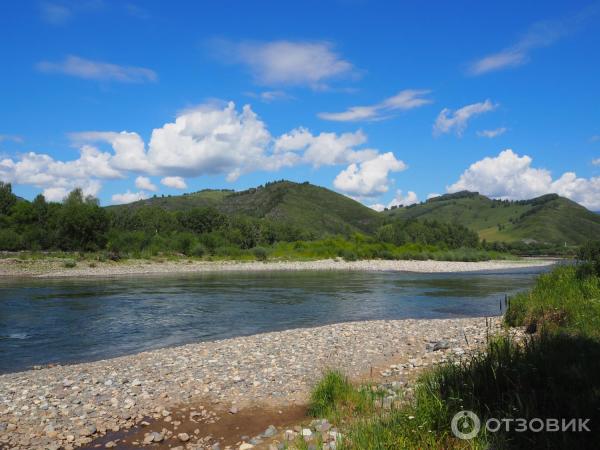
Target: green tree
<point x="201" y="220"/>
<point x="7" y="198"/>
<point x="82" y="224"/>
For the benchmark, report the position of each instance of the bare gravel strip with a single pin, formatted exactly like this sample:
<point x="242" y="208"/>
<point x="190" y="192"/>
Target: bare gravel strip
<point x="67" y="406"/>
<point x="55" y="268"/>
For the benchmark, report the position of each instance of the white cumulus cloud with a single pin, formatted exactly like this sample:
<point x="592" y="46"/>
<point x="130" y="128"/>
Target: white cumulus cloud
<point x="283" y="62"/>
<point x="145" y="184"/>
<point x="377" y="207"/>
<point x="368" y="178"/>
<point x="129" y="148"/>
<point x="128" y="197"/>
<point x="98" y="70"/>
<point x="57" y="177"/>
<point x="399" y="199"/>
<point x="457" y="120"/>
<point x="174" y="182"/>
<point x="210" y="140"/>
<point x="325" y="149"/>
<point x="207" y="140"/>
<point x="409" y="199"/>
<point x="510" y="176"/>
<point x="403" y="100"/>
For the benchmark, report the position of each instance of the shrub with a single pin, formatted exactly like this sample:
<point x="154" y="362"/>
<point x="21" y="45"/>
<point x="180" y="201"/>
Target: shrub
<point x="349" y="255"/>
<point x="588" y="258"/>
<point x="69" y="263"/>
<point x="228" y="250"/>
<point x="260" y="253"/>
<point x="184" y="242"/>
<point x="332" y="390"/>
<point x="10" y="240"/>
<point x="198" y="250"/>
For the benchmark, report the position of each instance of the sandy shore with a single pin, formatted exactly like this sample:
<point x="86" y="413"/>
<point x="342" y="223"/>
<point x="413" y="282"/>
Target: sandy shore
<point x="68" y="406"/>
<point x="12" y="267"/>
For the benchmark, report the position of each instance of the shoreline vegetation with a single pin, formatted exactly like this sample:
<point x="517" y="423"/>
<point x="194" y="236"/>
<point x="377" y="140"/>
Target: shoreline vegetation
<point x="256" y="225"/>
<point x="547" y="376"/>
<point x="73" y="265"/>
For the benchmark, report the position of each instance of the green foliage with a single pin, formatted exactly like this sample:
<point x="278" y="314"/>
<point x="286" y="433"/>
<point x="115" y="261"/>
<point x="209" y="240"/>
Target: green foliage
<point x="299" y="210"/>
<point x="545" y="220"/>
<point x="400" y="232"/>
<point x="560" y="300"/>
<point x="588" y="258"/>
<point x="334" y="396"/>
<point x="198" y="250"/>
<point x="69" y="263"/>
<point x="260" y="253"/>
<point x="81" y="224"/>
<point x="370" y="248"/>
<point x="10" y="240"/>
<point x="201" y="220"/>
<point x="287" y="219"/>
<point x="552" y="375"/>
<point x="7" y="198"/>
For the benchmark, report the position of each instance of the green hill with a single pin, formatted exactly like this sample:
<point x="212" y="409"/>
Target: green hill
<point x="303" y="205"/>
<point x="548" y="219"/>
<point x="545" y="219"/>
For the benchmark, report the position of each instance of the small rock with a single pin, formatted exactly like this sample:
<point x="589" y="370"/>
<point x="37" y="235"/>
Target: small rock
<point x="441" y="345"/>
<point x="270" y="431"/>
<point x="88" y="431"/>
<point x="245" y="446"/>
<point x="183" y="437"/>
<point x="233" y="410"/>
<point x="289" y="435"/>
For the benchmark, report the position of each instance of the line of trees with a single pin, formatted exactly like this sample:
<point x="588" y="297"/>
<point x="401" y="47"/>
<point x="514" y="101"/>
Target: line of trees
<point x="80" y="224"/>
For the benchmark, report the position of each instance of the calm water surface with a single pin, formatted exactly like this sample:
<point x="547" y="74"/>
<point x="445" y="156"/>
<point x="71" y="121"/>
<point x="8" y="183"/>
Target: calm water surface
<point x="61" y="321"/>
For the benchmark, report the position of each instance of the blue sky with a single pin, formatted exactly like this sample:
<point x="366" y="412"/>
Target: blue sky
<point x="133" y="99"/>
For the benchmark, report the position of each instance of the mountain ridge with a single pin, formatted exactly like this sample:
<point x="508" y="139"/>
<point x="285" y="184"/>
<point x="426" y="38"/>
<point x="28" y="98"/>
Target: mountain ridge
<point x="545" y="219"/>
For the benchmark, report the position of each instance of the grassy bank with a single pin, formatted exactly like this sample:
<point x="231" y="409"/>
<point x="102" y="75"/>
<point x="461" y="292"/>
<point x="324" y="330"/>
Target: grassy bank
<point x="553" y="374"/>
<point x="357" y="248"/>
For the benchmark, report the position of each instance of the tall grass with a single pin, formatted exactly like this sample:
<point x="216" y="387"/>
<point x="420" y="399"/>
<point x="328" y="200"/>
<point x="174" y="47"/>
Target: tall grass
<point x="554" y="374"/>
<point x="559" y="301"/>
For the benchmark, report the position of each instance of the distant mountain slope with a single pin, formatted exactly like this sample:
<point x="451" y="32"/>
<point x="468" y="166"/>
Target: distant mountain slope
<point x="303" y="205"/>
<point x="549" y="219"/>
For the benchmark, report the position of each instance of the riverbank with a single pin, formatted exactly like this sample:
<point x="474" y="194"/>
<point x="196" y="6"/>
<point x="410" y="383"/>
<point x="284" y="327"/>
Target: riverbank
<point x="70" y="406"/>
<point x="57" y="267"/>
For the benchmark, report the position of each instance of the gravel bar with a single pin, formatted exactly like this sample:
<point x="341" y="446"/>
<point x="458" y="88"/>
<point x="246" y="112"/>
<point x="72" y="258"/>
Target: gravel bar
<point x="14" y="267"/>
<point x="68" y="406"/>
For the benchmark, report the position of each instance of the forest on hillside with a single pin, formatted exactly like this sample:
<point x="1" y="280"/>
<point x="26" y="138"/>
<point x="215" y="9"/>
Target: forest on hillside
<point x="79" y="224"/>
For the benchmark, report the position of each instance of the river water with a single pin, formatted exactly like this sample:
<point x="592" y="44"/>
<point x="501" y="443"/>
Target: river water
<point x="66" y="320"/>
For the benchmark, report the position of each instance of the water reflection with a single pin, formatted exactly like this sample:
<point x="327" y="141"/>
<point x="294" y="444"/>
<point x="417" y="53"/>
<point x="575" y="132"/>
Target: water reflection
<point x="49" y="321"/>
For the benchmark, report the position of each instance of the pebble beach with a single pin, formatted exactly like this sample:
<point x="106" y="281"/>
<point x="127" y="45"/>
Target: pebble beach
<point x="14" y="267"/>
<point x="83" y="405"/>
<point x="70" y="406"/>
